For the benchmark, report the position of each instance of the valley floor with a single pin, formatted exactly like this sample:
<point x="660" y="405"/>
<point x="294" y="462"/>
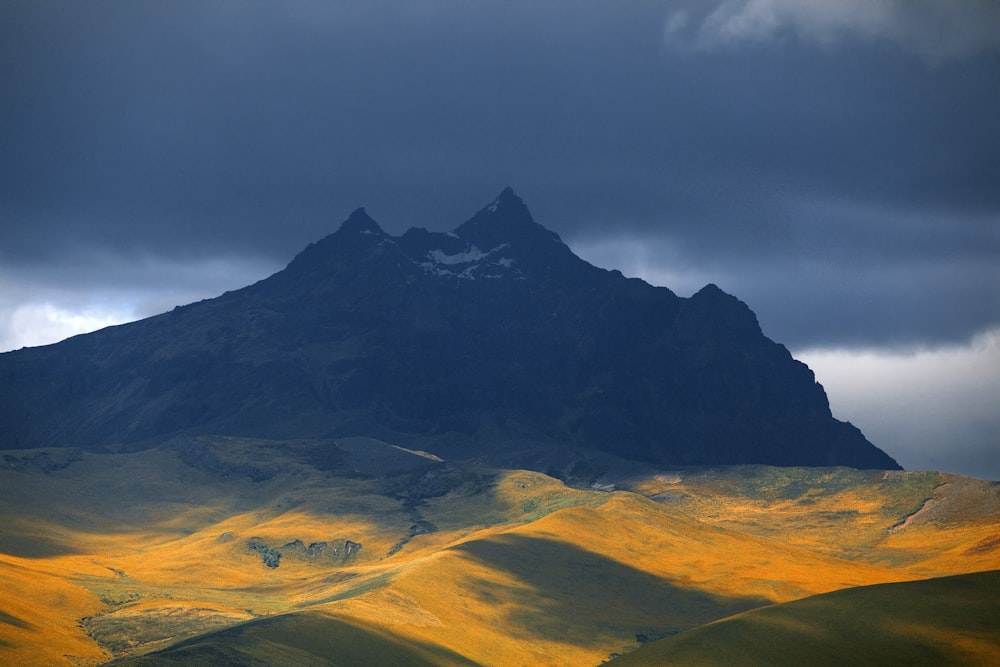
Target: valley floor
<point x="226" y="551"/>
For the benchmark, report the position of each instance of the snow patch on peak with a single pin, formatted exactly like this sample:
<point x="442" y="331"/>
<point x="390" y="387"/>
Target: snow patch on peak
<point x="470" y="263"/>
<point x="472" y="254"/>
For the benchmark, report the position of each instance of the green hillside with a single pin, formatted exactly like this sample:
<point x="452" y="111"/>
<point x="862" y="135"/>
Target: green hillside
<point x="943" y="621"/>
<point x="306" y="639"/>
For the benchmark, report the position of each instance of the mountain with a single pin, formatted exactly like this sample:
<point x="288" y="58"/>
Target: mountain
<point x="490" y="339"/>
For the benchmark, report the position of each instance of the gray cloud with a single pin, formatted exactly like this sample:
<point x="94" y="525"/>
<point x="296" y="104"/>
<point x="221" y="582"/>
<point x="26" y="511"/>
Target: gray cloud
<point x="937" y="31"/>
<point x="45" y="304"/>
<point x="809" y="301"/>
<point x="192" y="129"/>
<point x="931" y="409"/>
<point x="832" y="164"/>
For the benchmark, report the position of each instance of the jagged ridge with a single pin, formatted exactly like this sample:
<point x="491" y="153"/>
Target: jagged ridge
<point x="459" y="343"/>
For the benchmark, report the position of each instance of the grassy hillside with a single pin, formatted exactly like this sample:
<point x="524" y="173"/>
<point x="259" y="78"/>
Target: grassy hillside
<point x="944" y="621"/>
<point x="228" y="551"/>
<point x="304" y="639"/>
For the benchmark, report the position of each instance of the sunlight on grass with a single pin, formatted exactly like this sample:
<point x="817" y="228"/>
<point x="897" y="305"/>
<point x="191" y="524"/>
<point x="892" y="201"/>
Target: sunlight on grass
<point x="123" y="554"/>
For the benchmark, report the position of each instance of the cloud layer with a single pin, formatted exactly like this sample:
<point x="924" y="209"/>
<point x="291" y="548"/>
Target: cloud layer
<point x="937" y="31"/>
<point x="833" y="164"/>
<point x="932" y="409"/>
<point x="43" y="305"/>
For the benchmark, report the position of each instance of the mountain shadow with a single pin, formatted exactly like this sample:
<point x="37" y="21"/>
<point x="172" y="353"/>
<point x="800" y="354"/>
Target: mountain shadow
<point x="943" y="621"/>
<point x="305" y="639"/>
<point x="568" y="592"/>
<point x="10" y="619"/>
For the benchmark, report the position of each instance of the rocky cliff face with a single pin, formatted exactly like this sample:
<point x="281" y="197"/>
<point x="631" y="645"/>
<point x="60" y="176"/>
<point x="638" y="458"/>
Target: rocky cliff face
<point x="461" y="342"/>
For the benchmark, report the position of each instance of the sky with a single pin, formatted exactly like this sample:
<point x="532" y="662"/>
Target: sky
<point x="835" y="165"/>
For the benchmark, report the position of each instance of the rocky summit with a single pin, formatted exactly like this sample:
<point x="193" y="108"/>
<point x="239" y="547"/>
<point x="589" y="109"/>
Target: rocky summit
<point x="489" y="339"/>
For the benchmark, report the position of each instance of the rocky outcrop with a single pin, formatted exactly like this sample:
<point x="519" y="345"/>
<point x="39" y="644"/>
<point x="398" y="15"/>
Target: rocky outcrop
<point x="270" y="556"/>
<point x="336" y="552"/>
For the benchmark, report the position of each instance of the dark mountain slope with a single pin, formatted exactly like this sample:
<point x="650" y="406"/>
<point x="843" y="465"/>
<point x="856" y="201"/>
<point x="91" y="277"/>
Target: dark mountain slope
<point x="460" y="342"/>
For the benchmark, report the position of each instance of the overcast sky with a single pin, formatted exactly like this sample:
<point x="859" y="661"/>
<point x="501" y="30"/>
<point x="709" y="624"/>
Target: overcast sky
<point x="836" y="165"/>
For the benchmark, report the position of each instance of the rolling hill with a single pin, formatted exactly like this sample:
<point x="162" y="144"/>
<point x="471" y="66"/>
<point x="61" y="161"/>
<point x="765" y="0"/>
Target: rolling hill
<point x="944" y="621"/>
<point x="159" y="557"/>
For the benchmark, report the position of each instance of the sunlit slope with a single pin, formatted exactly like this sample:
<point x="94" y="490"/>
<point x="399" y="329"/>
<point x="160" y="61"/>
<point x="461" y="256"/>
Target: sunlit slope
<point x="574" y="585"/>
<point x="114" y="545"/>
<point x="571" y="587"/>
<point x="923" y="523"/>
<point x="944" y="621"/>
<point x="581" y="583"/>
<point x="164" y="552"/>
<point x="40" y="608"/>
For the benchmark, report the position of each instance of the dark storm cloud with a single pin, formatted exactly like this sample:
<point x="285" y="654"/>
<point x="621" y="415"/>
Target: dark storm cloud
<point x="213" y="121"/>
<point x="833" y="164"/>
<point x="804" y="158"/>
<point x="843" y="275"/>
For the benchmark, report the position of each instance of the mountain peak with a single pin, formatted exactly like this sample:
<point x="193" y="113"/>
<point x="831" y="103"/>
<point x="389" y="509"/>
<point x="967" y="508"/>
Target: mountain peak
<point x="505" y="220"/>
<point x="508" y="205"/>
<point x="356" y="234"/>
<point x="506" y="199"/>
<point x="359" y="222"/>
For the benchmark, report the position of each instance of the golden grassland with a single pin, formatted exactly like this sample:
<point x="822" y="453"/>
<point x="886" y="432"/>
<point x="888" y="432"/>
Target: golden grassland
<point x="144" y="559"/>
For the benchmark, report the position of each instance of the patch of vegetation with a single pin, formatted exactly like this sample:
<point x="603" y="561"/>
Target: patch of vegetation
<point x="268" y="554"/>
<point x="337" y="552"/>
<point x="540" y="501"/>
<point x="366" y="586"/>
<point x="791" y="483"/>
<point x="906" y="492"/>
<point x="585" y="472"/>
<point x="421" y="527"/>
<point x="325" y="456"/>
<point x="416" y="487"/>
<point x="123" y="598"/>
<point x="44" y="460"/>
<point x="306" y="639"/>
<point x="129" y="631"/>
<point x="203" y="454"/>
